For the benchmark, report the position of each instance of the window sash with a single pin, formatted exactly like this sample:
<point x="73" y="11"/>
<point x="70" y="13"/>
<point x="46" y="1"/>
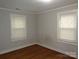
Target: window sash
<point x="18" y="27"/>
<point x="74" y="29"/>
<point x="68" y="35"/>
<point x="18" y="34"/>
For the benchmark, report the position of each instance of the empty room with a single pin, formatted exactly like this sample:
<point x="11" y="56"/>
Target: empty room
<point x="38" y="29"/>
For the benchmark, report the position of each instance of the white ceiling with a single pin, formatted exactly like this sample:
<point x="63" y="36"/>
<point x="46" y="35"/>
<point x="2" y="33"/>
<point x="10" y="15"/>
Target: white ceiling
<point x="34" y="5"/>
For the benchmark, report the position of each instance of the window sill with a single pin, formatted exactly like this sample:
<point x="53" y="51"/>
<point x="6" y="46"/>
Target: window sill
<point x="71" y="43"/>
<point x="18" y="39"/>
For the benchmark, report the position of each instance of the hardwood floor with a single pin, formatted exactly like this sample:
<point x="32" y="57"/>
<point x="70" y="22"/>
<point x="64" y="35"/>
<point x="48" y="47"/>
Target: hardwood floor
<point x="34" y="52"/>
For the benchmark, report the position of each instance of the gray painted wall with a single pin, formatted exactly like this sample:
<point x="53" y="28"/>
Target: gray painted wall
<point x="5" y="32"/>
<point x="47" y="31"/>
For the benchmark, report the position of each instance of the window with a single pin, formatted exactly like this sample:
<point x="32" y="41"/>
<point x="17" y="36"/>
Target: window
<point x="18" y="27"/>
<point x="67" y="26"/>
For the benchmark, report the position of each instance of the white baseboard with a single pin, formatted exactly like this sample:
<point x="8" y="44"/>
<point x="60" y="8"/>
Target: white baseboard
<point x="16" y="48"/>
<point x="72" y="54"/>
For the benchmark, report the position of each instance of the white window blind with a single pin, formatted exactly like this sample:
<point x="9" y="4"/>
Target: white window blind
<point x="18" y="27"/>
<point x="67" y="26"/>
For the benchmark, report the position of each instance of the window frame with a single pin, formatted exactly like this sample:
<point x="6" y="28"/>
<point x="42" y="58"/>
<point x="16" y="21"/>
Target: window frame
<point x="11" y="15"/>
<point x="58" y="28"/>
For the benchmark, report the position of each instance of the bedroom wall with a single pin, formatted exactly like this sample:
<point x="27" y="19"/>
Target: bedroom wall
<point x="6" y="44"/>
<point x="47" y="31"/>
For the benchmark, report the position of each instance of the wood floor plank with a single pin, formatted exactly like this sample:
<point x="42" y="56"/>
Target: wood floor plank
<point x="35" y="52"/>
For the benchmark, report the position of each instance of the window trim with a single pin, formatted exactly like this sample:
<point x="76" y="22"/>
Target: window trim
<point x="14" y="40"/>
<point x="58" y="18"/>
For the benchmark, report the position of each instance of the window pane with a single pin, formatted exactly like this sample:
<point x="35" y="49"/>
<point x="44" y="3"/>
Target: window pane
<point x="67" y="34"/>
<point x="18" y="21"/>
<point x="67" y="21"/>
<point x="18" y="34"/>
